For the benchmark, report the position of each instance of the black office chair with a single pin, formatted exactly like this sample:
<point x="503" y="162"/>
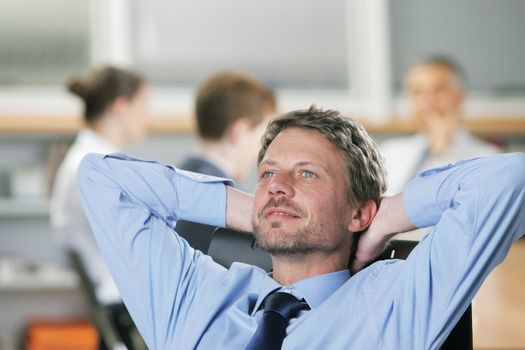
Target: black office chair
<point x="198" y="235"/>
<point x="113" y="322"/>
<point x="110" y="338"/>
<point x="228" y="246"/>
<point x="461" y="335"/>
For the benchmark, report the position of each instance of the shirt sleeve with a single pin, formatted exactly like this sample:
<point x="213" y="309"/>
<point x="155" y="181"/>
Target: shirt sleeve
<point x="478" y="209"/>
<point x="132" y="206"/>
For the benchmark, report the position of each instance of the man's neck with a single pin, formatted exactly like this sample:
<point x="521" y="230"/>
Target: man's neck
<point x="222" y="154"/>
<point x="290" y="269"/>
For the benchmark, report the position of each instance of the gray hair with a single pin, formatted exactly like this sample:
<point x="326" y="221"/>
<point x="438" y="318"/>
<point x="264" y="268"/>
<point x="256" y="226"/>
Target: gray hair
<point x="449" y="63"/>
<point x="366" y="175"/>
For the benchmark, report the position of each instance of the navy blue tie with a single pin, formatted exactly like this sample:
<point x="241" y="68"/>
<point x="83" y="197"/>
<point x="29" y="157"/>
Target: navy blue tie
<point x="279" y="308"/>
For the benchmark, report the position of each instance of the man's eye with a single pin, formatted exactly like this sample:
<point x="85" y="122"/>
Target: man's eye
<point x="267" y="174"/>
<point x="309" y="174"/>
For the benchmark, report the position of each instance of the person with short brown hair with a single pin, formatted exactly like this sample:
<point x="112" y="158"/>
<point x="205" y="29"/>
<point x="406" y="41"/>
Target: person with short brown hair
<point x="227" y="97"/>
<point x="231" y="110"/>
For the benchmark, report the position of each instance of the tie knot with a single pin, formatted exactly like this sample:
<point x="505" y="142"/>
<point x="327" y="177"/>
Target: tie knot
<point x="285" y="304"/>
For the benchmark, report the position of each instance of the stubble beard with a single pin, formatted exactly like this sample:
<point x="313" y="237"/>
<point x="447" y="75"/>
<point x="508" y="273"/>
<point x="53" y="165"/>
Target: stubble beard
<point x="308" y="239"/>
<point x="300" y="242"/>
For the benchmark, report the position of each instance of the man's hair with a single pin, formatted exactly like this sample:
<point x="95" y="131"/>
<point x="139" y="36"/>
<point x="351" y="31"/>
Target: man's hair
<point x="439" y="60"/>
<point x="99" y="89"/>
<point x="227" y="97"/>
<point x="365" y="170"/>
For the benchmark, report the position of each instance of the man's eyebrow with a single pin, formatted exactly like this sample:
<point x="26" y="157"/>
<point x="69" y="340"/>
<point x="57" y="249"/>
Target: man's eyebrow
<point x="307" y="163"/>
<point x="267" y="162"/>
<point x="298" y="164"/>
<point x="315" y="165"/>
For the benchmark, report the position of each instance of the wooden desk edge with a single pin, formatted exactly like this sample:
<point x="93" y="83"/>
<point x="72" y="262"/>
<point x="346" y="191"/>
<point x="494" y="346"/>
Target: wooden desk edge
<point x="183" y="124"/>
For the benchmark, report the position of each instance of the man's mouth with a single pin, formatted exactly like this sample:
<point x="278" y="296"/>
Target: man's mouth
<point x="276" y="212"/>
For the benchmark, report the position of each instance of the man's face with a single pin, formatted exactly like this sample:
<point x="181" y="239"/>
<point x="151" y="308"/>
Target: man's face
<point x="434" y="90"/>
<point x="300" y="203"/>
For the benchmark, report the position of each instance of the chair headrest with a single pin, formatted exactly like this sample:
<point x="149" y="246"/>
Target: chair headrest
<point x="228" y="246"/>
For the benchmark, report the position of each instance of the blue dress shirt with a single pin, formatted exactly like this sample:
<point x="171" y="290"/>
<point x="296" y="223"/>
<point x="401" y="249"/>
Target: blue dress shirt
<point x="181" y="299"/>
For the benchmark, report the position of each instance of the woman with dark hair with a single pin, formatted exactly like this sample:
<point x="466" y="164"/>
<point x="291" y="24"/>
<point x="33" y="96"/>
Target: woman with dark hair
<point x="116" y="115"/>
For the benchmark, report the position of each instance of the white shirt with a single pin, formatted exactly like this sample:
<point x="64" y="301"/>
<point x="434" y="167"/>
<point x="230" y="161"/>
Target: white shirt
<point x="69" y="221"/>
<point x="405" y="157"/>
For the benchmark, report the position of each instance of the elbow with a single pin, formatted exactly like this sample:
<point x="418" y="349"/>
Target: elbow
<point x="87" y="168"/>
<point x="513" y="191"/>
<point x="507" y="175"/>
<point x="514" y="174"/>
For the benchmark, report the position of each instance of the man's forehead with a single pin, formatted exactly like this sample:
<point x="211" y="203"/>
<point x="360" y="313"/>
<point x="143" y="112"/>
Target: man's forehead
<point x="301" y="146"/>
<point x="298" y="136"/>
<point x="431" y="73"/>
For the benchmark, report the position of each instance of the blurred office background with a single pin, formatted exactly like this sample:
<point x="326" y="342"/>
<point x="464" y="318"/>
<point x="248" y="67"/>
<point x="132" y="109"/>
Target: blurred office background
<point x="349" y="55"/>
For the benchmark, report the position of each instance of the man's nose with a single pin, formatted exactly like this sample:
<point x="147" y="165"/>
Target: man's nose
<point x="281" y="184"/>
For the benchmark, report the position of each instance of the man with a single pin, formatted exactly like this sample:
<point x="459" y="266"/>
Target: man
<point x="320" y="181"/>
<point x="232" y="111"/>
<point x="435" y="87"/>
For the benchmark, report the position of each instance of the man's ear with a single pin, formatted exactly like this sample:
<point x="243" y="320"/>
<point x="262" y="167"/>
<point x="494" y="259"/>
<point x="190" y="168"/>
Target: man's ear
<point x="362" y="216"/>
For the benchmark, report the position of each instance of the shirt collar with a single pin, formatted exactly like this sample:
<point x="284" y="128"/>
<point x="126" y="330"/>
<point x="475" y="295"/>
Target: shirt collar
<point x="221" y="170"/>
<point x="220" y="163"/>
<point x="315" y="290"/>
<point x="269" y="285"/>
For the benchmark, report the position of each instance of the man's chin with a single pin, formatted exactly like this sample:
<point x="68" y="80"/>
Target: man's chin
<point x="285" y="250"/>
<point x="283" y="244"/>
<point x="272" y="239"/>
<point x="275" y="239"/>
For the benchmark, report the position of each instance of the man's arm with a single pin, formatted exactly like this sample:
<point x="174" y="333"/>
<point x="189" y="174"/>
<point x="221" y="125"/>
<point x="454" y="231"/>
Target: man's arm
<point x="478" y="207"/>
<point x="132" y="207"/>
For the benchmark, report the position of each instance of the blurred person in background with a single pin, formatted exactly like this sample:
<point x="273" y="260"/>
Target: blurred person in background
<point x="436" y="91"/>
<point x="232" y="110"/>
<point x="116" y="114"/>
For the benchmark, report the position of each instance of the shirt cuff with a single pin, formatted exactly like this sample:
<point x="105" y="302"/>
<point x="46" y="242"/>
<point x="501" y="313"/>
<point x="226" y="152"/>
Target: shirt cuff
<point x="427" y="196"/>
<point x="419" y="205"/>
<point x="202" y="198"/>
<point x="421" y="200"/>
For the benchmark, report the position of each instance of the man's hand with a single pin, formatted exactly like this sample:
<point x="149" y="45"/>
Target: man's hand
<point x="370" y="245"/>
<point x="440" y="129"/>
<point x="390" y="220"/>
